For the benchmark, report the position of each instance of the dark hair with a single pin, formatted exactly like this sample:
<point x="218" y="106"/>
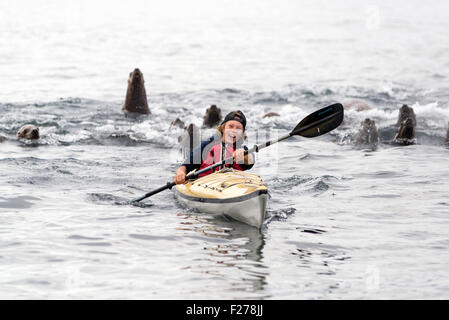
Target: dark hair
<point x="237" y="116"/>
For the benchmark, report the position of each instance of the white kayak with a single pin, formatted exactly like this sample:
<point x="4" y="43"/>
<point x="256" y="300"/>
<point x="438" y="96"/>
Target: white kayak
<point x="238" y="194"/>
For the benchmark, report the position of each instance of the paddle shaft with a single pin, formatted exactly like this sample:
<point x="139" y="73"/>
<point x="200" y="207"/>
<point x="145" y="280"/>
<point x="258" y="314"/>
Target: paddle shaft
<point x="169" y="185"/>
<point x="261" y="146"/>
<point x="195" y="174"/>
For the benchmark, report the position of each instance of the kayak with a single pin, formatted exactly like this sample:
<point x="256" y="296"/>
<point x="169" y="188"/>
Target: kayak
<point x="238" y="194"/>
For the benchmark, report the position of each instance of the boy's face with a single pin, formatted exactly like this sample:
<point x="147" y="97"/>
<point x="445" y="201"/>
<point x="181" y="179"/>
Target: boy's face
<point x="233" y="131"/>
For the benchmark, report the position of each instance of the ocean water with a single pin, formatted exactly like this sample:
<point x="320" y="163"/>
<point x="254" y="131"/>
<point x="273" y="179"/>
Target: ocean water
<point x="342" y="222"/>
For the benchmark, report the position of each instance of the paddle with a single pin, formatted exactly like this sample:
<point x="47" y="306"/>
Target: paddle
<point x="314" y="125"/>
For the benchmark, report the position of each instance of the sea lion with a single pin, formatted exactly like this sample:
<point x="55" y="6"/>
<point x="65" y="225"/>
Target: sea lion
<point x="356" y="104"/>
<point x="406" y="133"/>
<point x="271" y="114"/>
<point x="367" y="135"/>
<point x="190" y="140"/>
<point x="136" y="96"/>
<point x="177" y="123"/>
<point x="212" y="117"/>
<point x="29" y="132"/>
<point x="405" y="112"/>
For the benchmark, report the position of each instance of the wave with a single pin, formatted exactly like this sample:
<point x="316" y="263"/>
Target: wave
<point x="280" y="214"/>
<point x="304" y="184"/>
<point x="76" y="120"/>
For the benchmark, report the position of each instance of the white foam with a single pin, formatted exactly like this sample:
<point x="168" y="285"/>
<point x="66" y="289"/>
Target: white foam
<point x="431" y="114"/>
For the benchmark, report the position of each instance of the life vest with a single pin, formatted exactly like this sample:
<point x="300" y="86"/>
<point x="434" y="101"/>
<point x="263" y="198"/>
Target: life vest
<point x="216" y="155"/>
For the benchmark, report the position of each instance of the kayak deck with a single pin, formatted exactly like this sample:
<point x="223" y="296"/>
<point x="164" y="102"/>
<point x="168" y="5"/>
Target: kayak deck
<point x="238" y="194"/>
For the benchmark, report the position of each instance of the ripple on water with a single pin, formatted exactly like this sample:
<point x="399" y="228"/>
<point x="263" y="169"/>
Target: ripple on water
<point x="92" y="241"/>
<point x="148" y="237"/>
<point x="108" y="199"/>
<point x="21" y="202"/>
<point x="79" y="237"/>
<point x="288" y="183"/>
<point x="308" y="184"/>
<point x="321" y="257"/>
<point x="311" y="230"/>
<point x="95" y="244"/>
<point x="383" y="174"/>
<point x="280" y="214"/>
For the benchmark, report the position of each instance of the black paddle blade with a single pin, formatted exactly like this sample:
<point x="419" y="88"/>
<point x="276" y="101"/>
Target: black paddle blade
<point x="320" y="122"/>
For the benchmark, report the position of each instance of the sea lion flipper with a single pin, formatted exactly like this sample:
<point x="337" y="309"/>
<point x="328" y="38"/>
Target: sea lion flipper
<point x="406" y="132"/>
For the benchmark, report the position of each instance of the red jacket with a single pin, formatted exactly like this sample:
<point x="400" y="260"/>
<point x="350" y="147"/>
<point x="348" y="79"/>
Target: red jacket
<point x="216" y="155"/>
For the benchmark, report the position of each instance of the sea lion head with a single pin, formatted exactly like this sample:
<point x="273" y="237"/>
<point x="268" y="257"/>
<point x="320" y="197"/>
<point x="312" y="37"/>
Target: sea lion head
<point x="136" y="97"/>
<point x="28" y="131"/>
<point x="368" y="134"/>
<point x="406" y="112"/>
<point x="212" y="116"/>
<point x="177" y="123"/>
